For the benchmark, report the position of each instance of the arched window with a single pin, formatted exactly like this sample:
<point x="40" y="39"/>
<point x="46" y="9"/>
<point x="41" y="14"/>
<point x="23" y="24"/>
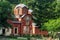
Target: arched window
<point x="18" y="10"/>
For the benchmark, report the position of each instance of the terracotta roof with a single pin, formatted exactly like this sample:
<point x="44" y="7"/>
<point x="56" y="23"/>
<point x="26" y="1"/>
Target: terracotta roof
<point x="16" y="22"/>
<point x="17" y="16"/>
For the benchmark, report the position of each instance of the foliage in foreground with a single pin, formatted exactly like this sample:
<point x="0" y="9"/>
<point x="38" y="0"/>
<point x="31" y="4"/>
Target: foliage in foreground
<point x="52" y="25"/>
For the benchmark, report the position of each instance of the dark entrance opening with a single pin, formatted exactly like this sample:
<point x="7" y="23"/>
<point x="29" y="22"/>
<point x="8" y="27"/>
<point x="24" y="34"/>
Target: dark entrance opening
<point x="15" y="30"/>
<point x="3" y="31"/>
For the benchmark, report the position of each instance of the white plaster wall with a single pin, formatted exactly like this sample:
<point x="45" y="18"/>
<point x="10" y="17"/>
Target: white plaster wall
<point x="7" y="33"/>
<point x="0" y="31"/>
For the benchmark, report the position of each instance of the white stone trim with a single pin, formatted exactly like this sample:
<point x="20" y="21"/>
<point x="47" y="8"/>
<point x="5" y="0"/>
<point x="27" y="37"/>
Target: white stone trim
<point x="16" y="16"/>
<point x="30" y="10"/>
<point x="34" y="24"/>
<point x="21" y="5"/>
<point x="23" y="15"/>
<point x="33" y="29"/>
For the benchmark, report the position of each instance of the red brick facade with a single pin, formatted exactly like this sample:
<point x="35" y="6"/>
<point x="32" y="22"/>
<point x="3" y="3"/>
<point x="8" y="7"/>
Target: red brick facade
<point x="23" y="24"/>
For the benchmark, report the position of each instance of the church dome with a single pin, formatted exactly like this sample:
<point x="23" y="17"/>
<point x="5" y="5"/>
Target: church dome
<point x="21" y="5"/>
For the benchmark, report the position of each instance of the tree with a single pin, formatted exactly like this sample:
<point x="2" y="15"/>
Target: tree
<point x="5" y="11"/>
<point x="52" y="25"/>
<point x="14" y="1"/>
<point x="43" y="10"/>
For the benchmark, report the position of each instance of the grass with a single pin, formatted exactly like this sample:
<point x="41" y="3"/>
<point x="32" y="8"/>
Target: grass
<point x="12" y="38"/>
<point x="22" y="38"/>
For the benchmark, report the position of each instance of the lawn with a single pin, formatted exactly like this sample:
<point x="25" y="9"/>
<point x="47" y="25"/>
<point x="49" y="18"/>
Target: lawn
<point x="23" y="38"/>
<point x="20" y="38"/>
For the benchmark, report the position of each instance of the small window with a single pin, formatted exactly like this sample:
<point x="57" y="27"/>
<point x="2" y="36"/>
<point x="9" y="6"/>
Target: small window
<point x="18" y="10"/>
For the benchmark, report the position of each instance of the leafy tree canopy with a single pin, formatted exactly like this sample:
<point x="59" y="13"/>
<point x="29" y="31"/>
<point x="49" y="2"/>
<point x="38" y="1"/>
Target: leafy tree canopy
<point x="44" y="11"/>
<point x="5" y="11"/>
<point x="52" y="25"/>
<point x="14" y="1"/>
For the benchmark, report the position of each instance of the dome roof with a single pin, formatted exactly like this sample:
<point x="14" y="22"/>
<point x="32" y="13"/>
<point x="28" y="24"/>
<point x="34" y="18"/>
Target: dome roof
<point x="21" y="5"/>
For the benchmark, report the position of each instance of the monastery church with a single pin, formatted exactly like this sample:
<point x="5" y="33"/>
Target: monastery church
<point x="22" y="23"/>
